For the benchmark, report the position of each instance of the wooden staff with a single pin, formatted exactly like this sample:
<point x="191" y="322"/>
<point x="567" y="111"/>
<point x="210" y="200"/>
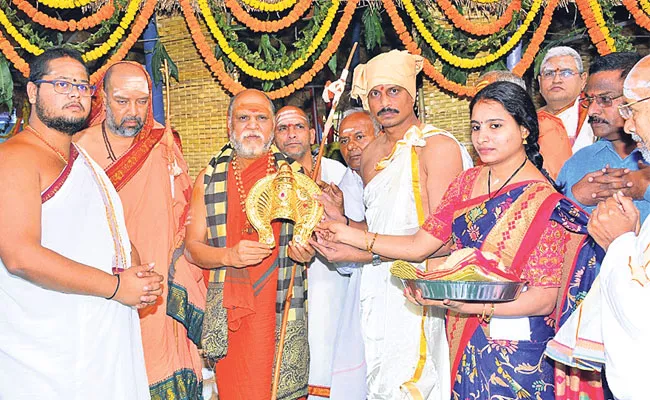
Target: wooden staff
<point x="315" y="173"/>
<point x="283" y="332"/>
<point x="330" y="118"/>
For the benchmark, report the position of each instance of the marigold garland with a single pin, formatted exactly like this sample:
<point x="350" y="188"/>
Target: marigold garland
<point x="640" y="17"/>
<point x="645" y="4"/>
<point x="137" y="28"/>
<point x="469" y="63"/>
<point x="65" y="3"/>
<point x="252" y="71"/>
<point x="8" y="50"/>
<point x="94" y="54"/>
<point x="592" y="15"/>
<point x="269" y="7"/>
<point x="477" y="29"/>
<point x="18" y="37"/>
<point x="217" y="67"/>
<point x="104" y="13"/>
<point x="114" y="38"/>
<point x="463" y="90"/>
<point x="257" y="25"/>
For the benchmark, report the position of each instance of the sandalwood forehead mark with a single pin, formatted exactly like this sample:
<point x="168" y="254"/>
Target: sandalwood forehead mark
<point x="288" y="116"/>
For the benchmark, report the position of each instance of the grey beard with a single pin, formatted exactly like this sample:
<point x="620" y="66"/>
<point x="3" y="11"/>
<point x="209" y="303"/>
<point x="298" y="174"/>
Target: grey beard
<point x="121" y="130"/>
<point x="643" y="148"/>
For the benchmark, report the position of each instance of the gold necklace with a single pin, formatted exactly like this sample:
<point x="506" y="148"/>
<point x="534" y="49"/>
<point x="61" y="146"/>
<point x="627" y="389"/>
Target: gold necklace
<point x="248" y="228"/>
<point x="48" y="144"/>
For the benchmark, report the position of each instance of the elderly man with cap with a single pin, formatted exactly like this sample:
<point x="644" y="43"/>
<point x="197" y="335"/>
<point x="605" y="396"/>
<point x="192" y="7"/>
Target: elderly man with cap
<point x="405" y="171"/>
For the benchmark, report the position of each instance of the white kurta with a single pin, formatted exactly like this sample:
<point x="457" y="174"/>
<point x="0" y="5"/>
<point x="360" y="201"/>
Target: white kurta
<point x="349" y="364"/>
<point x="326" y="294"/>
<point x="65" y="346"/>
<point x="569" y="118"/>
<point x="611" y="325"/>
<point x="626" y="316"/>
<point x="391" y="325"/>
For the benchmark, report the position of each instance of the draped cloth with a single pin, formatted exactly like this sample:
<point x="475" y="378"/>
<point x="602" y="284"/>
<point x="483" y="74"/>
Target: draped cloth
<point x="57" y="345"/>
<point x="156" y="203"/>
<point x="574" y="120"/>
<point x="540" y="237"/>
<point x="406" y="347"/>
<point x="554" y="143"/>
<point x="231" y="302"/>
<point x="327" y="289"/>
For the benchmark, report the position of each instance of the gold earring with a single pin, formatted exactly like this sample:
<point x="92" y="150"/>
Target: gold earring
<point x="525" y="141"/>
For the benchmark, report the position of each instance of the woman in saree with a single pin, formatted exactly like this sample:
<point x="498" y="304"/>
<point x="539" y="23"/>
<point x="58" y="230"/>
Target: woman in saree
<point x="510" y="208"/>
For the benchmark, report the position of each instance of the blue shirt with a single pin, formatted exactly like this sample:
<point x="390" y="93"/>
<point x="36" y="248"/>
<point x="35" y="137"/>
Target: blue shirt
<point x="593" y="158"/>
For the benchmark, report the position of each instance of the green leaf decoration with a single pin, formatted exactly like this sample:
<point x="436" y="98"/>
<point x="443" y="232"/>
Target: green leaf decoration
<point x="158" y="61"/>
<point x="6" y="84"/>
<point x="373" y="31"/>
<point x="332" y="64"/>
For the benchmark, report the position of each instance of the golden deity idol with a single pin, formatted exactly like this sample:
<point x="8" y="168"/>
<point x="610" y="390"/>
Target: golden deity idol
<point x="284" y="195"/>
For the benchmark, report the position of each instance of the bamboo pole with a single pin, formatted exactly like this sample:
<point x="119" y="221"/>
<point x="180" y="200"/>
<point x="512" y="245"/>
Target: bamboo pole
<point x="330" y="118"/>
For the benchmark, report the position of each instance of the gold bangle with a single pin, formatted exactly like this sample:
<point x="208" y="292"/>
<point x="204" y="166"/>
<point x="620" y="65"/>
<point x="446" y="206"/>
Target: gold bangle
<point x="372" y="243"/>
<point x="489" y="317"/>
<point x="365" y="238"/>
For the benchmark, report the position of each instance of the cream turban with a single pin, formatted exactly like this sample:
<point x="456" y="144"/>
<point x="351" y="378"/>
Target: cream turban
<point x="392" y="68"/>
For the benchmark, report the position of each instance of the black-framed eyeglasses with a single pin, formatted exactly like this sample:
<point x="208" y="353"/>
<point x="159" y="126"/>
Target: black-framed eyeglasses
<point x="602" y="100"/>
<point x="564" y="73"/>
<point x="65" y="87"/>
<point x="626" y="111"/>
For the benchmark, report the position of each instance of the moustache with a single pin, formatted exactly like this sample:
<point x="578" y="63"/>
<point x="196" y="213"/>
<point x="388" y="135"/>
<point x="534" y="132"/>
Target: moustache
<point x="387" y="110"/>
<point x="596" y="120"/>
<point x="75" y="103"/>
<point x="134" y="119"/>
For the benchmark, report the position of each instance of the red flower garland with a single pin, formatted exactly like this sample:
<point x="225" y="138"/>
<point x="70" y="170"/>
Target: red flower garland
<point x="640" y="17"/>
<point x="104" y="13"/>
<point x="490" y="28"/>
<point x="217" y="66"/>
<point x="463" y="90"/>
<point x="257" y="25"/>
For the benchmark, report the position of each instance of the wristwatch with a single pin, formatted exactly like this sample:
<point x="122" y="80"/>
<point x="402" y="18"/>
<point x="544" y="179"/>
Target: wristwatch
<point x="376" y="260"/>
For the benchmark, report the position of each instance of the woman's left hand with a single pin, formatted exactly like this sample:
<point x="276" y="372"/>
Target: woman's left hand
<point x="416" y="298"/>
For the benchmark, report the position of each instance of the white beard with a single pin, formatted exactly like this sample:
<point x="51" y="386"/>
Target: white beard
<point x="645" y="152"/>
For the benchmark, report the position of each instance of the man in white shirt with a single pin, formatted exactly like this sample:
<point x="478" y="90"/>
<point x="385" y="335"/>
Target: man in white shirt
<point x="327" y="287"/>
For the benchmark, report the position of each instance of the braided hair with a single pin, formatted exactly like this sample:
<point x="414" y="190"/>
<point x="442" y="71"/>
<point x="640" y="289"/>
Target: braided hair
<point x="519" y="105"/>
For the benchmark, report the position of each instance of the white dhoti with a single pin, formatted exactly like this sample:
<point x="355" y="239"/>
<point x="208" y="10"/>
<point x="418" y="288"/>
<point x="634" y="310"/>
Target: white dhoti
<point x="349" y="363"/>
<point x="407" y="354"/>
<point x="66" y="346"/>
<point x="326" y="295"/>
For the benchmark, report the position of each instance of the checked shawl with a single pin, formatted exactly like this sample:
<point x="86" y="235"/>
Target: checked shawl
<point x="294" y="369"/>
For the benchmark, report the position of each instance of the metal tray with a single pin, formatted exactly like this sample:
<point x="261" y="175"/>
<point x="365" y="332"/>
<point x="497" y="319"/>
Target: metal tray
<point x="466" y="290"/>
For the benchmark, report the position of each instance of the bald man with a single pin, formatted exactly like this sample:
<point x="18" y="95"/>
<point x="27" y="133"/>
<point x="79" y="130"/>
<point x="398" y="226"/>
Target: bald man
<point x="248" y="281"/>
<point x="294" y="137"/>
<point x="147" y="168"/>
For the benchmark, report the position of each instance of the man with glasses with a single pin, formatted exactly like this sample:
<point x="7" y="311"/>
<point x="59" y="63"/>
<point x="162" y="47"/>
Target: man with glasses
<point x="69" y="327"/>
<point x="613" y="319"/>
<point x="561" y="79"/>
<point x="147" y="168"/>
<point x="613" y="163"/>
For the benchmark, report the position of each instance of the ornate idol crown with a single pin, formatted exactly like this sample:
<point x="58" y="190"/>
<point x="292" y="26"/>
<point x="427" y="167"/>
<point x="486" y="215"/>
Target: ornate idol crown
<point x="284" y="195"/>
